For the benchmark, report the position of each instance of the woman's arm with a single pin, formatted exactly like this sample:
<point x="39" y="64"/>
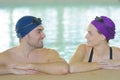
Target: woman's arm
<point x="76" y="63"/>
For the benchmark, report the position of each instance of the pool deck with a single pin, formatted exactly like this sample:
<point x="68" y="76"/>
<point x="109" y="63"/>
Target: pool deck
<point x="93" y="75"/>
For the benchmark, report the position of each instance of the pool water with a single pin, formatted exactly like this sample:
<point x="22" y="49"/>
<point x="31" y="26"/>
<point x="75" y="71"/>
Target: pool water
<point x="65" y="26"/>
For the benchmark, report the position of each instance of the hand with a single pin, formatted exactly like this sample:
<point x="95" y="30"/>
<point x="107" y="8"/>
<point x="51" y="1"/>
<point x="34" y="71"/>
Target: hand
<point x="110" y="64"/>
<point x="20" y="66"/>
<point x="110" y="67"/>
<point x="22" y="71"/>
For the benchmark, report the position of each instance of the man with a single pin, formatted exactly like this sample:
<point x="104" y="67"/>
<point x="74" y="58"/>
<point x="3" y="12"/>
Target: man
<point x="30" y="57"/>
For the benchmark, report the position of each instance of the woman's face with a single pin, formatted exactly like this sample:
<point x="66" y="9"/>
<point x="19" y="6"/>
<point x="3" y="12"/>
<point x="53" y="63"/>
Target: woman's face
<point x="93" y="36"/>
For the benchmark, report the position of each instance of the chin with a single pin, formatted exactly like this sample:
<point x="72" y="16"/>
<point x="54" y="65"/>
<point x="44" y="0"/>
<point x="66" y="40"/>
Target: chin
<point x="40" y="45"/>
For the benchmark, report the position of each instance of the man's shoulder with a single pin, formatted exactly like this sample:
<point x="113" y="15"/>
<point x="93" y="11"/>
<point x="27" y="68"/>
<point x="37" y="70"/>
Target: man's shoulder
<point x="4" y="52"/>
<point x="44" y="50"/>
<point x="5" y="56"/>
<point x="10" y="50"/>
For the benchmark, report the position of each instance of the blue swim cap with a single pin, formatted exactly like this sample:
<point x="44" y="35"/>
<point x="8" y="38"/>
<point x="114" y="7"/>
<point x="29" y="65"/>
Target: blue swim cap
<point x="26" y="24"/>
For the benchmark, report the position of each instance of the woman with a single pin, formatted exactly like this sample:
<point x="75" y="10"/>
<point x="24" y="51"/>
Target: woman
<point x="97" y="54"/>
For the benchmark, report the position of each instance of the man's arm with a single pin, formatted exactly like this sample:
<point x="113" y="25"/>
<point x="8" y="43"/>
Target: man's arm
<point x="7" y="67"/>
<point x="3" y="61"/>
<point x="51" y="68"/>
<point x="55" y="65"/>
<point x="4" y="70"/>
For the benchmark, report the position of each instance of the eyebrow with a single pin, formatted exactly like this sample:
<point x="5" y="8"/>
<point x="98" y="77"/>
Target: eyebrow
<point x="40" y="29"/>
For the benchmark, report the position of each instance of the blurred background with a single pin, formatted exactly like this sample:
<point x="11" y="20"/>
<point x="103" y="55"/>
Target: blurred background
<point x="65" y="21"/>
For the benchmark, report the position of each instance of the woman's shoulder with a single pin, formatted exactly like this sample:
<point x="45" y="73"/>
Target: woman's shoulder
<point x="85" y="46"/>
<point x="115" y="48"/>
<point x="116" y="52"/>
<point x="83" y="49"/>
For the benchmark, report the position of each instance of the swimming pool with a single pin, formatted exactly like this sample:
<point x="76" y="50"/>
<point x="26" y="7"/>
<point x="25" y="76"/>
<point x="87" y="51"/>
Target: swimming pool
<point x="65" y="26"/>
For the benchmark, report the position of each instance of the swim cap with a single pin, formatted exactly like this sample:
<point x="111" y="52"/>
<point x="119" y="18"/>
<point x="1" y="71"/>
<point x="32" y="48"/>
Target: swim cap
<point x="105" y="26"/>
<point x="26" y="24"/>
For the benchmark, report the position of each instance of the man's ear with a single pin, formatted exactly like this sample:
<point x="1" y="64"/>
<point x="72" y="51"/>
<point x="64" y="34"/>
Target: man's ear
<point x="26" y="37"/>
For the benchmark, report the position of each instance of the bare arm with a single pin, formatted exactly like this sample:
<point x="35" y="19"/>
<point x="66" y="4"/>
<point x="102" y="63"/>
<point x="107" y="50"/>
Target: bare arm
<point x="56" y="64"/>
<point x="49" y="68"/>
<point x="6" y="67"/>
<point x="115" y="62"/>
<point x="52" y="68"/>
<point x="76" y="63"/>
<point x="3" y="61"/>
<point x="4" y="70"/>
<point x="83" y="67"/>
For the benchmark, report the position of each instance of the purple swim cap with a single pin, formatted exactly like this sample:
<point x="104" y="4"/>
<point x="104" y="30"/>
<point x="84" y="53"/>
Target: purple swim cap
<point x="26" y="24"/>
<point x="105" y="26"/>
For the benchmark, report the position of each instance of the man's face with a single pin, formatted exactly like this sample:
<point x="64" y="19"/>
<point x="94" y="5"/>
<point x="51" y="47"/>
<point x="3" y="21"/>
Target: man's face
<point x="36" y="36"/>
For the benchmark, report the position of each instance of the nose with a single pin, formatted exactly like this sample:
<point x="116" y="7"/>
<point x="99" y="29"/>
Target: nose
<point x="43" y="35"/>
<point x="86" y="36"/>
